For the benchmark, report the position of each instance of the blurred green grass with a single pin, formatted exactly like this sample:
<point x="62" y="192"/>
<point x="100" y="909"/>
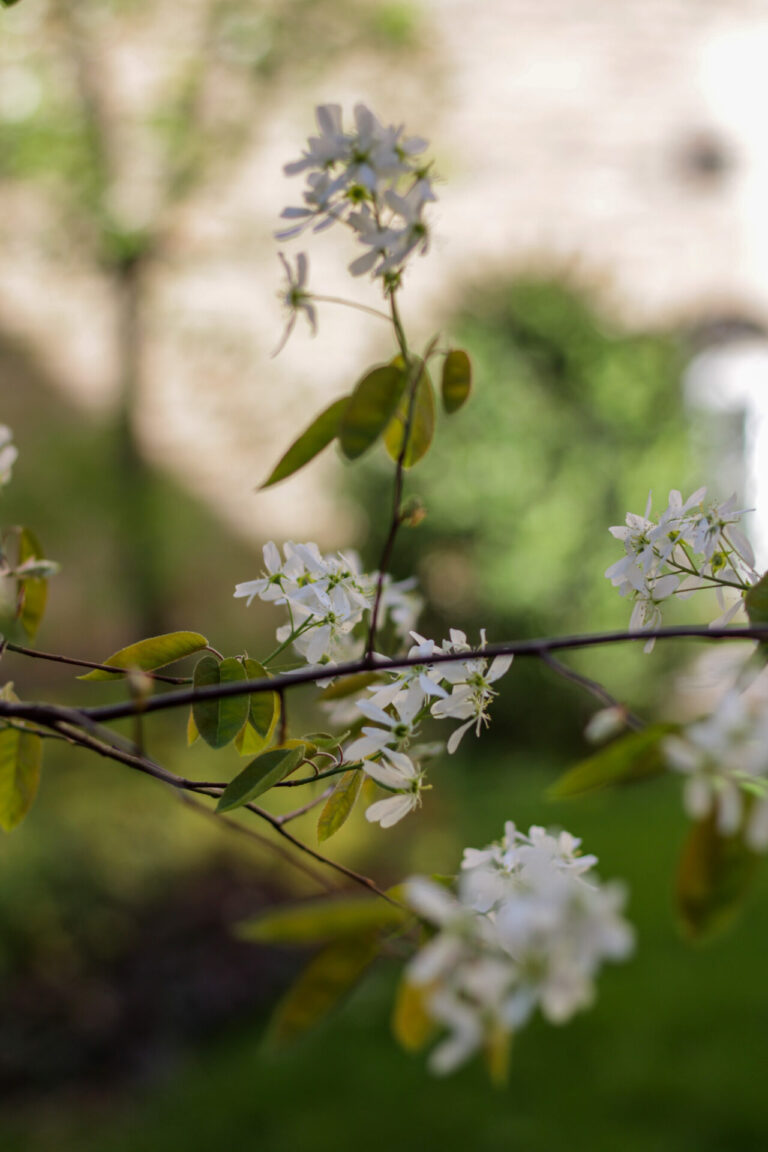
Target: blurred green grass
<point x="668" y="1059"/>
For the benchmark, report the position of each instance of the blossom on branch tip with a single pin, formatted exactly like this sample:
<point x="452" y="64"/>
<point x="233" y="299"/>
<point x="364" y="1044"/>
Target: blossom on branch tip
<point x="693" y="545"/>
<point x="369" y="178"/>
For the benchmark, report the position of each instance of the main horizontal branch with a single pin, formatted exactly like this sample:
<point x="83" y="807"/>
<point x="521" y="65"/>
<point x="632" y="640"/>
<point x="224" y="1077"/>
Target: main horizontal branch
<point x="521" y="648"/>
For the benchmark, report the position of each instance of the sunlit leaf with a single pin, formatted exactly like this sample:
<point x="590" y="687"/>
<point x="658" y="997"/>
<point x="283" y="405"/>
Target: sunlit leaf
<point x="326" y="980"/>
<point x="636" y="756"/>
<point x="151" y="654"/>
<point x="713" y="879"/>
<point x="219" y="721"/>
<point x="412" y="1025"/>
<point x="318" y="436"/>
<point x="422" y="427"/>
<point x="456" y="383"/>
<point x="21" y="756"/>
<point x="192" y="733"/>
<point x="496" y="1050"/>
<point x="264" y="711"/>
<point x="316" y="921"/>
<point x="756" y="604"/>
<point x="756" y="601"/>
<point x="369" y="409"/>
<point x="339" y="805"/>
<point x="259" y="776"/>
<point x="257" y="733"/>
<point x="33" y="592"/>
<point x="349" y="685"/>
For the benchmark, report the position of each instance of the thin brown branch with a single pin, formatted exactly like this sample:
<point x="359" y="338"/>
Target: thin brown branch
<point x="317" y="800"/>
<point x="179" y="783"/>
<point x="257" y="838"/>
<point x="594" y="687"/>
<point x="57" y="659"/>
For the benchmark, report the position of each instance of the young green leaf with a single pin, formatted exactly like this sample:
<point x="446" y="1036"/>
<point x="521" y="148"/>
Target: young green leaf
<point x="21" y="756"/>
<point x="219" y="721"/>
<point x="311" y="443"/>
<point x="264" y="710"/>
<point x="192" y="733"/>
<point x="259" y="776"/>
<point x="33" y="592"/>
<point x="412" y="1025"/>
<point x="339" y="805"/>
<point x="370" y="409"/>
<point x="150" y="654"/>
<point x="756" y="601"/>
<point x="263" y="715"/>
<point x="422" y="424"/>
<point x="328" y="977"/>
<point x="456" y="383"/>
<point x="636" y="756"/>
<point x="349" y="685"/>
<point x="713" y="879"/>
<point x="316" y="921"/>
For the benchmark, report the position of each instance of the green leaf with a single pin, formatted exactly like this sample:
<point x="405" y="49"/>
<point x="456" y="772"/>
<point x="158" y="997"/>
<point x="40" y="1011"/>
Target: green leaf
<point x="326" y="980"/>
<point x="148" y="655"/>
<point x="370" y="409"/>
<point x="192" y="733"/>
<point x="34" y="591"/>
<point x="713" y="879"/>
<point x="339" y="805"/>
<point x="311" y="443"/>
<point x="456" y="381"/>
<point x="219" y="721"/>
<point x="348" y="685"/>
<point x="264" y="711"/>
<point x="21" y="756"/>
<point x="259" y="776"/>
<point x="412" y="1025"/>
<point x="422" y="427"/>
<point x="263" y="714"/>
<point x="496" y="1050"/>
<point x="636" y="756"/>
<point x="316" y="921"/>
<point x="756" y="601"/>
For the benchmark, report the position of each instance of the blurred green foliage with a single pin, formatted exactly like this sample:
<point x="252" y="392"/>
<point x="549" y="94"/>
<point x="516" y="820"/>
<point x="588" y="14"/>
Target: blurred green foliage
<point x="570" y="421"/>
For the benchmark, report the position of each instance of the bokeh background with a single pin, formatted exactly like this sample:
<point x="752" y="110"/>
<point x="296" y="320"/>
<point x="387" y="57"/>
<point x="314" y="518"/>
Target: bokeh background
<point x="601" y="250"/>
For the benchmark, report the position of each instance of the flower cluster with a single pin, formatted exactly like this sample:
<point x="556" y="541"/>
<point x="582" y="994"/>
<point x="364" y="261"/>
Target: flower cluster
<point x="369" y="178"/>
<point x="8" y="454"/>
<point x="724" y="759"/>
<point x="529" y="927"/>
<point x="692" y="545"/>
<point x="446" y="690"/>
<point x="327" y="598"/>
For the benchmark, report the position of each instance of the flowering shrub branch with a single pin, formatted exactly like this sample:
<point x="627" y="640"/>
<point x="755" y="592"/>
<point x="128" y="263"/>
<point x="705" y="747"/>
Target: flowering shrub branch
<point x="526" y="925"/>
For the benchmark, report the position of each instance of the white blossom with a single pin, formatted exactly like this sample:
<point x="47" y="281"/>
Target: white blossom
<point x="527" y="928"/>
<point x="692" y="545"/>
<point x="724" y="760"/>
<point x="8" y="454"/>
<point x="369" y="178"/>
<point x="396" y="772"/>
